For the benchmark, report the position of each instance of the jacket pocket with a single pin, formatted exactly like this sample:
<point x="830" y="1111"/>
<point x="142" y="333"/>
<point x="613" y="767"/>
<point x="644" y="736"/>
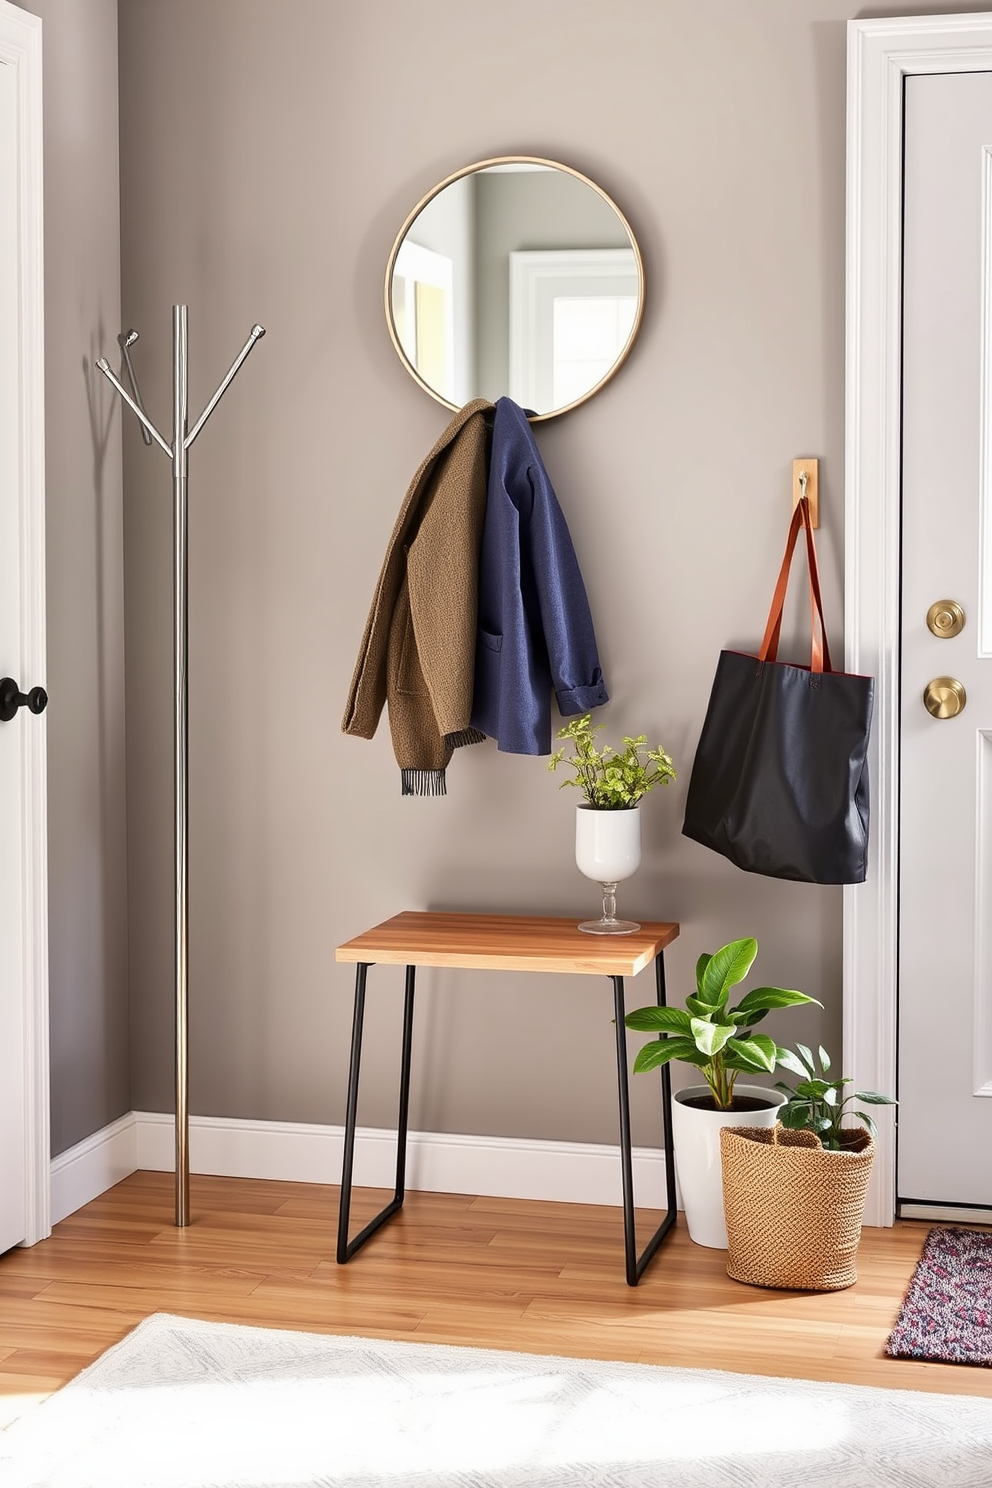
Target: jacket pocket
<point x="488" y="664"/>
<point x="404" y="674"/>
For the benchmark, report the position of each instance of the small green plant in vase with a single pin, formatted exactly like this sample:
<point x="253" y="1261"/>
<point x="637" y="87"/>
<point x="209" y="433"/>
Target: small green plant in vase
<point x="818" y="1104"/>
<point x="607" y="820"/>
<point x="611" y="781"/>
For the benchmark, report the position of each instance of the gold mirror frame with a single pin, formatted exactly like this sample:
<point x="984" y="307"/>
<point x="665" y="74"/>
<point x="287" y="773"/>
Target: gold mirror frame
<point x="468" y="170"/>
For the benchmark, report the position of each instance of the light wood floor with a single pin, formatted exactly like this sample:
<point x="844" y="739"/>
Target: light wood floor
<point x="502" y="1273"/>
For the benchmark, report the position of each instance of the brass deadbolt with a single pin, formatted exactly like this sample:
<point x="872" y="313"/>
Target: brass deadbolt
<point x="944" y="697"/>
<point x="945" y="619"/>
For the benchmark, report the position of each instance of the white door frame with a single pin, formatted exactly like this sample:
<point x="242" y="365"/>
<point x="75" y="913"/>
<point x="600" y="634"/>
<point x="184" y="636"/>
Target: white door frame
<point x="20" y="47"/>
<point x="881" y="54"/>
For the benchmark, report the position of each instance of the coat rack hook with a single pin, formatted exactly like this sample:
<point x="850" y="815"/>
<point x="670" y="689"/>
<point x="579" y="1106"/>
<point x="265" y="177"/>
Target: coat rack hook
<point x="125" y="341"/>
<point x="104" y="366"/>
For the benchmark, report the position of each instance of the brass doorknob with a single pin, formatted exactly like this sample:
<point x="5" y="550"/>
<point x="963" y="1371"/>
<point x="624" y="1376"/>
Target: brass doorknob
<point x="944" y="697"/>
<point x="945" y="619"/>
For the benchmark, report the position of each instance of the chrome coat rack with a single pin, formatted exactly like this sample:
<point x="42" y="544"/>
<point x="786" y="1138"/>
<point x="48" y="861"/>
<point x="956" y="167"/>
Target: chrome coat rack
<point x="178" y="452"/>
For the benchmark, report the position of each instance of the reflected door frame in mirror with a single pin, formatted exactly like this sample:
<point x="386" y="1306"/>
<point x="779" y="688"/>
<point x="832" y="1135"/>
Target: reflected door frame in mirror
<point x="420" y="303"/>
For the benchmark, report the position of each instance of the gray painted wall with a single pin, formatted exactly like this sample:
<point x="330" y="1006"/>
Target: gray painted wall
<point x="267" y="160"/>
<point x="86" y="808"/>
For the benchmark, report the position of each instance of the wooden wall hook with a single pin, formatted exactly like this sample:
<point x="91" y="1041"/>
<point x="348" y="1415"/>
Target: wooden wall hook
<point x="811" y="469"/>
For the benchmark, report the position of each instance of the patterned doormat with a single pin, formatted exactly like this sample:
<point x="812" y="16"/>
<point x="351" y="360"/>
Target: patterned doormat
<point x="947" y="1314"/>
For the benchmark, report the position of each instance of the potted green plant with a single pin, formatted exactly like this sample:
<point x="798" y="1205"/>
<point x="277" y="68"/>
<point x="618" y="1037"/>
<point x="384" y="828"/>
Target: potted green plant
<point x="819" y="1105"/>
<point x="719" y="1040"/>
<point x="607" y="820"/>
<point x="794" y="1197"/>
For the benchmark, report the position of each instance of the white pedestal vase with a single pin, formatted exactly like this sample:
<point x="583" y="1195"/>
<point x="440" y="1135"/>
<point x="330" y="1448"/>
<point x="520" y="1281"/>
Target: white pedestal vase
<point x="608" y="849"/>
<point x="696" y="1136"/>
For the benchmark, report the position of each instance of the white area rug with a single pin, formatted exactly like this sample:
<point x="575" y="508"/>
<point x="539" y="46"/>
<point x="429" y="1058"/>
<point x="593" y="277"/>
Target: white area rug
<point x="184" y="1404"/>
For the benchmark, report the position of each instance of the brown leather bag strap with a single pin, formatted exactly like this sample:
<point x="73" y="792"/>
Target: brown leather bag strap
<point x="769" y="645"/>
<point x="819" y="649"/>
<point x="821" y="663"/>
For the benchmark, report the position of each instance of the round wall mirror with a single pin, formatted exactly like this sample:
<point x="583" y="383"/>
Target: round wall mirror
<point x="515" y="277"/>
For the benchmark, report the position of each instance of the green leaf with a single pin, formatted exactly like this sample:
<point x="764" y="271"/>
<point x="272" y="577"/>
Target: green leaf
<point x="662" y="1051"/>
<point x="757" y="1053"/>
<point x="658" y="1019"/>
<point x="698" y="1009"/>
<point x="748" y="1016"/>
<point x="767" y="1044"/>
<point x="724" y="970"/>
<point x="774" y="997"/>
<point x="863" y="1116"/>
<point x="830" y="1095"/>
<point x="873" y="1098"/>
<point x="711" y="1037"/>
<point x="795" y="1117"/>
<point x="791" y="1062"/>
<point x="806" y="1056"/>
<point x="824" y="1060"/>
<point x="701" y="966"/>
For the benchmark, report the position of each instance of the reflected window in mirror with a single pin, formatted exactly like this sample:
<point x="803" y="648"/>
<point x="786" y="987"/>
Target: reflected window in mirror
<point x="423" y="314"/>
<point x="572" y="312"/>
<point x="516" y="276"/>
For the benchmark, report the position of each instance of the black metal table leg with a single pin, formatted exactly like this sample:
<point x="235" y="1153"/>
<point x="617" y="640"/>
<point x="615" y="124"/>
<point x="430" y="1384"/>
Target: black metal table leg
<point x="346" y="1248"/>
<point x="635" y="1264"/>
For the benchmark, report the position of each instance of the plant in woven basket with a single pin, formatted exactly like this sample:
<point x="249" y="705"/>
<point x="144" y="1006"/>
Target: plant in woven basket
<point x="818" y="1104"/>
<point x="718" y="1039"/>
<point x="793" y="1210"/>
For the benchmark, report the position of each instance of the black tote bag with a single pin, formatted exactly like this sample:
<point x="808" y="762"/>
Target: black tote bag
<point x="779" y="784"/>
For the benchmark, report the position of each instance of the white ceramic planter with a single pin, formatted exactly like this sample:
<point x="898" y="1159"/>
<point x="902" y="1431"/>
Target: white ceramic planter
<point x="607" y="843"/>
<point x="608" y="849"/>
<point x="696" y="1135"/>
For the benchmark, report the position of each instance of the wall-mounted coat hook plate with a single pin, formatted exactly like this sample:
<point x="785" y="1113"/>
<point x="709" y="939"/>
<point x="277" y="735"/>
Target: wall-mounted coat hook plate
<point x="811" y="469"/>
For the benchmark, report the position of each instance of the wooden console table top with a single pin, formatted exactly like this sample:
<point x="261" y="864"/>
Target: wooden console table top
<point x="505" y="943"/>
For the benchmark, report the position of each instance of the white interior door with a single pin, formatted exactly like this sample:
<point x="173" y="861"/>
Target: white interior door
<point x="24" y="1083"/>
<point x="945" y="821"/>
<point x="12" y="1131"/>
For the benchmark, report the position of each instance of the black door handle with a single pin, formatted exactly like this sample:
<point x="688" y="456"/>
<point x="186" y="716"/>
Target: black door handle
<point x="11" y="698"/>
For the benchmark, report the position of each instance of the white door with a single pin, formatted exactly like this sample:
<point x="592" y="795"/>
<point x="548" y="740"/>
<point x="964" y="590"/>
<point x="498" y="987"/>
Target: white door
<point x="23" y="856"/>
<point x="12" y="1212"/>
<point x="945" y="846"/>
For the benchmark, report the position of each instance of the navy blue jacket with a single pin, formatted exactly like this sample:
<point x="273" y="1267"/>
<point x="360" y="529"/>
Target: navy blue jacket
<point x="535" y="629"/>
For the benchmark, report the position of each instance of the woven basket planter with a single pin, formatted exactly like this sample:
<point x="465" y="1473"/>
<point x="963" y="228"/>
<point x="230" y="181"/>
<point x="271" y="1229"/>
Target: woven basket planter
<point x="793" y="1209"/>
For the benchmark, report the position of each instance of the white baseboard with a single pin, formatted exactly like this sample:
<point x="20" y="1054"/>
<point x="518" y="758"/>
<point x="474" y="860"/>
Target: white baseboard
<point x="91" y="1167"/>
<point x="504" y="1167"/>
<point x="940" y="1212"/>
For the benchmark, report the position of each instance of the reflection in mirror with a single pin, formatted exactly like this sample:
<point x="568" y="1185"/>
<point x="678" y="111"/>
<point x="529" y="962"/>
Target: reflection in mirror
<point x="515" y="276"/>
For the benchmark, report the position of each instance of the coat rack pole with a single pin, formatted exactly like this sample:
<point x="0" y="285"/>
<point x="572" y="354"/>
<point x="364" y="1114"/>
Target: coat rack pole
<point x="180" y="562"/>
<point x="178" y="451"/>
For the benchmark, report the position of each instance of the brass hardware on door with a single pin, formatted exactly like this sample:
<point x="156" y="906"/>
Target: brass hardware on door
<point x="944" y="697"/>
<point x="945" y="619"/>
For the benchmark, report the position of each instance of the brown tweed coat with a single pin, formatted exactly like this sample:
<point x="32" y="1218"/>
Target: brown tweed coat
<point x="418" y="650"/>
